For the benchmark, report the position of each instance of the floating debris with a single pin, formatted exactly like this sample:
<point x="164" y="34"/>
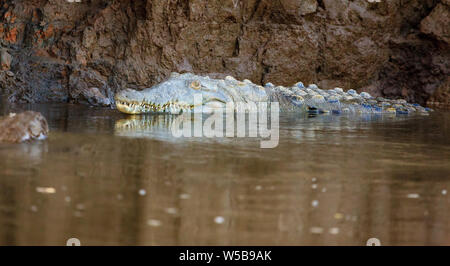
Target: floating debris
<point x="219" y="220"/>
<point x="413" y="196"/>
<point x="172" y="210"/>
<point x="338" y="216"/>
<point x="34" y="208"/>
<point x="46" y="190"/>
<point x="119" y="196"/>
<point x="315" y="203"/>
<point x="444" y="192"/>
<point x="324" y="190"/>
<point x="142" y="192"/>
<point x="67" y="199"/>
<point x="334" y="230"/>
<point x="185" y="196"/>
<point x="258" y="187"/>
<point x="154" y="223"/>
<point x="314" y="186"/>
<point x="314" y="179"/>
<point x="80" y="206"/>
<point x="316" y="230"/>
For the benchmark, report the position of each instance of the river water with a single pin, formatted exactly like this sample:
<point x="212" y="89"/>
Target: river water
<point x="332" y="180"/>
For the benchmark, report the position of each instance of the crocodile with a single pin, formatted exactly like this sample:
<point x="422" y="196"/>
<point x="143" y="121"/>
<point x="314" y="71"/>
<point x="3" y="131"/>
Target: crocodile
<point x="177" y="95"/>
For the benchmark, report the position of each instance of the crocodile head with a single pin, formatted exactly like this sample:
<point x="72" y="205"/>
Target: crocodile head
<point x="180" y="93"/>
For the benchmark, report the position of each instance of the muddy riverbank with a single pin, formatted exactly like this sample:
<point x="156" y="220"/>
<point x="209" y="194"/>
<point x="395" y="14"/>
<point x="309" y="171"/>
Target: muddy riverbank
<point x="56" y="51"/>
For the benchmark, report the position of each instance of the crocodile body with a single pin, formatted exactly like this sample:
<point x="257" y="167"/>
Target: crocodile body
<point x="177" y="95"/>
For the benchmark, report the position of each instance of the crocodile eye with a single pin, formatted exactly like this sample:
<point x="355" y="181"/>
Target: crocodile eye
<point x="196" y="85"/>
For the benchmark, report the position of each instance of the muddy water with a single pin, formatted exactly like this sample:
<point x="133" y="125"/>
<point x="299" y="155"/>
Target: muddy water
<point x="331" y="181"/>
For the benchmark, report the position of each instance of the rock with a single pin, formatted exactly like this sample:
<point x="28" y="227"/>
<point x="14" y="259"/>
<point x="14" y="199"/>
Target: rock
<point x="25" y="126"/>
<point x="299" y="7"/>
<point x="5" y="60"/>
<point x="84" y="88"/>
<point x="441" y="97"/>
<point x="438" y="23"/>
<point x="66" y="48"/>
<point x="94" y="97"/>
<point x="89" y="37"/>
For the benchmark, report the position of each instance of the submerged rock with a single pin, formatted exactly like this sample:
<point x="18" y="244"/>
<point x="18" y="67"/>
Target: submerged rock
<point x="25" y="126"/>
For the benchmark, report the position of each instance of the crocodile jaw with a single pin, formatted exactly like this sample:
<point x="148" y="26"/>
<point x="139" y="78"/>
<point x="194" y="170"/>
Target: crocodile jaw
<point x="128" y="109"/>
<point x="178" y="94"/>
<point x="144" y="107"/>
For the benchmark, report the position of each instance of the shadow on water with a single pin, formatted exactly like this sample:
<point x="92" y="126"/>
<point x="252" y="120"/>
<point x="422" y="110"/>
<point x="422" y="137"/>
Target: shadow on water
<point x="333" y="180"/>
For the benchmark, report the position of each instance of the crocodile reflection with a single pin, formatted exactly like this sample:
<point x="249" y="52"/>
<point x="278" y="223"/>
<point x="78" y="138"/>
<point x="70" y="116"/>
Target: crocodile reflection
<point x="160" y="126"/>
<point x="143" y="125"/>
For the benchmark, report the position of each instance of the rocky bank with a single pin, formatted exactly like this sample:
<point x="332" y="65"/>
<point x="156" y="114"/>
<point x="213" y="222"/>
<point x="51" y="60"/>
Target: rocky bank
<point x="61" y="51"/>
